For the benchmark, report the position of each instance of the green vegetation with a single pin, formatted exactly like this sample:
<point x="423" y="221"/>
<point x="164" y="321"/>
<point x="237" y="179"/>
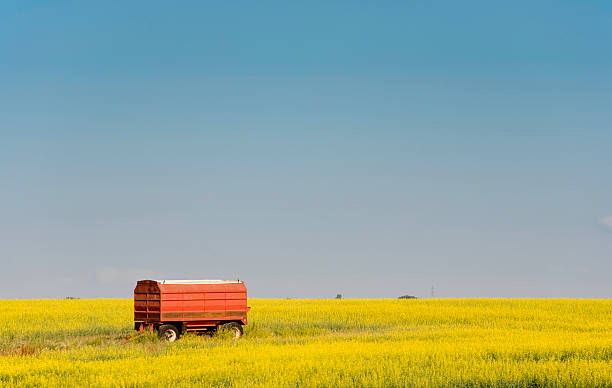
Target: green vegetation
<point x="316" y="343"/>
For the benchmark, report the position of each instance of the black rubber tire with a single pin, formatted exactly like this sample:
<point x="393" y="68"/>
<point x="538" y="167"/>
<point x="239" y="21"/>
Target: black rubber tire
<point x="234" y="327"/>
<point x="169" y="332"/>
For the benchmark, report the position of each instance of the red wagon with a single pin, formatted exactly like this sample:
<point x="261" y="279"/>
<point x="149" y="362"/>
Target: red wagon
<point x="172" y="307"/>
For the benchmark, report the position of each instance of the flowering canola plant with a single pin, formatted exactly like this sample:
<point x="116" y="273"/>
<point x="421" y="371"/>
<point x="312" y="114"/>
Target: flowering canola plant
<point x="316" y="343"/>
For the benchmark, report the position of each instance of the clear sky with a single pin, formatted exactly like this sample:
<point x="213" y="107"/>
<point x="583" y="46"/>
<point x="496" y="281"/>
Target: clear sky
<point x="309" y="148"/>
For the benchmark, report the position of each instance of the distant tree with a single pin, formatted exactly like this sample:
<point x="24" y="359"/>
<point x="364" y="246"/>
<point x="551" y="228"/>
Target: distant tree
<point x="339" y="296"/>
<point x="407" y="297"/>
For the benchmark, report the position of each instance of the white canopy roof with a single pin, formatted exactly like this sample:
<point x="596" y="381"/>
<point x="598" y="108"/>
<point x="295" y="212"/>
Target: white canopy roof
<point x="197" y="281"/>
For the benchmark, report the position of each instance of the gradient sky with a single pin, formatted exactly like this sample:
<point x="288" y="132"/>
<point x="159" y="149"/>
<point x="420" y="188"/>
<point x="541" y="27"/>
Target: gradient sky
<point x="369" y="149"/>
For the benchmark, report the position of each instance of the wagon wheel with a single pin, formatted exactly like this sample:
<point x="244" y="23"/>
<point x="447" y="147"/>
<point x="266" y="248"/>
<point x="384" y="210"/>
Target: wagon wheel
<point x="233" y="327"/>
<point x="168" y="332"/>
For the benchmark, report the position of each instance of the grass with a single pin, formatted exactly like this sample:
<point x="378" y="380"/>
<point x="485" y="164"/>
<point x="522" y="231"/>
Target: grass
<point x="316" y="343"/>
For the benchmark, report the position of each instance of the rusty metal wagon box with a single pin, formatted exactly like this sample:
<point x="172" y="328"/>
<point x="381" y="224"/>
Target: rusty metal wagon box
<point x="190" y="305"/>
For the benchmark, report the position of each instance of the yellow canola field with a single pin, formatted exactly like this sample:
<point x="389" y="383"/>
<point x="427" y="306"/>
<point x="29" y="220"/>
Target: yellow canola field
<point x="317" y="343"/>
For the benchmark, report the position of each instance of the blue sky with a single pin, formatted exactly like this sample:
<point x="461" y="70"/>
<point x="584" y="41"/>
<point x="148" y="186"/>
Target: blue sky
<point x="372" y="150"/>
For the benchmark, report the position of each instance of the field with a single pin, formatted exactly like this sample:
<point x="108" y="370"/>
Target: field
<point x="316" y="343"/>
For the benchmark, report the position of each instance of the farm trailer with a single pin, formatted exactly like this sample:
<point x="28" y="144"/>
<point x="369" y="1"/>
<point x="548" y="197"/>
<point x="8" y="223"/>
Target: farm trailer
<point x="173" y="307"/>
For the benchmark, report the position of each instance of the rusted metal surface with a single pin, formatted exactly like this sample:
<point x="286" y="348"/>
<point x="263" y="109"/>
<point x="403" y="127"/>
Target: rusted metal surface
<point x="194" y="304"/>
